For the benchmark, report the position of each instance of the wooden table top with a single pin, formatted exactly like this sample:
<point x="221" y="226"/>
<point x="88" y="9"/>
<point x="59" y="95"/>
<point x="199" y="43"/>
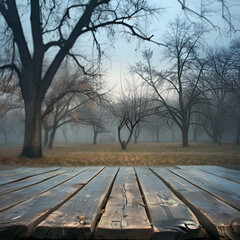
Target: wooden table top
<point x="181" y="202"/>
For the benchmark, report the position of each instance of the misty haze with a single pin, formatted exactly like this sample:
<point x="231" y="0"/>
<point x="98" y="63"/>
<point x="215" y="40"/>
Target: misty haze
<point x="124" y="112"/>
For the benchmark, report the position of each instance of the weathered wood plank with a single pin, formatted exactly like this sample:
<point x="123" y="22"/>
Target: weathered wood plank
<point x="25" y="174"/>
<point x="171" y="219"/>
<point x="226" y="190"/>
<point x="19" y="221"/>
<point x="125" y="216"/>
<point x="230" y="174"/>
<point x="77" y="218"/>
<point x="13" y="198"/>
<point x="221" y="220"/>
<point x="23" y="170"/>
<point x="27" y="182"/>
<point x="212" y="177"/>
<point x="17" y="170"/>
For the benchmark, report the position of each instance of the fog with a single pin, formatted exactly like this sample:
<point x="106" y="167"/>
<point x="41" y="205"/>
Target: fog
<point x="84" y="134"/>
<point x="119" y="83"/>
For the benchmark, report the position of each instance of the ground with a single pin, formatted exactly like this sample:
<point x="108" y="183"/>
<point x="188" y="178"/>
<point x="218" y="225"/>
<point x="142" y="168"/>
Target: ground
<point x="136" y="154"/>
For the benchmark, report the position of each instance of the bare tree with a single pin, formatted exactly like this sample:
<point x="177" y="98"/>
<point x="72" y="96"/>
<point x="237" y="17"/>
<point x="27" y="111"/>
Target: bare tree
<point x="137" y="131"/>
<point x="6" y="127"/>
<point x="180" y="84"/>
<point x="212" y="11"/>
<point x="222" y="82"/>
<point x="130" y="110"/>
<point x="214" y="112"/>
<point x="10" y="95"/>
<point x="197" y="129"/>
<point x="68" y="92"/>
<point x="64" y="132"/>
<point x="214" y="119"/>
<point x="56" y="26"/>
<point x="156" y="123"/>
<point x="230" y="58"/>
<point x="96" y="116"/>
<point x="10" y="104"/>
<point x="234" y="109"/>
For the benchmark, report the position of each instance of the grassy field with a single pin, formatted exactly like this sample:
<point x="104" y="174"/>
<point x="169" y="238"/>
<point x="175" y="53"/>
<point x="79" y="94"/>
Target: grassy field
<point x="136" y="154"/>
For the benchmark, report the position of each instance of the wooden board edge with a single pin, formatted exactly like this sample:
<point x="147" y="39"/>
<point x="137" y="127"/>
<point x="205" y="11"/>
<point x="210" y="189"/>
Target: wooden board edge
<point x="231" y="231"/>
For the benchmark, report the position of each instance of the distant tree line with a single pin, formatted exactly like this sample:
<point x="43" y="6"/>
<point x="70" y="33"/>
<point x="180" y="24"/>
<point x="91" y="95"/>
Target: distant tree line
<point x="201" y="88"/>
<point x="49" y="81"/>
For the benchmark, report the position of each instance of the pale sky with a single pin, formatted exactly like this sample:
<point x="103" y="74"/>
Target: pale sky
<point x="125" y="54"/>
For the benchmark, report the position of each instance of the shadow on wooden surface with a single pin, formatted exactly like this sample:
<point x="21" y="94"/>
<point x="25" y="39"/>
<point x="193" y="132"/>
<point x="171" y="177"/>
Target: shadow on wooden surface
<point x="181" y="202"/>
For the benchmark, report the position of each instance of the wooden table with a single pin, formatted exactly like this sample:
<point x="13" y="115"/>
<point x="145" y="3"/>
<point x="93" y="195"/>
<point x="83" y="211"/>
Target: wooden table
<point x="182" y="202"/>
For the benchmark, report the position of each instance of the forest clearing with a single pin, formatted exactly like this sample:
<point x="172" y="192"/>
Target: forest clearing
<point x="110" y="154"/>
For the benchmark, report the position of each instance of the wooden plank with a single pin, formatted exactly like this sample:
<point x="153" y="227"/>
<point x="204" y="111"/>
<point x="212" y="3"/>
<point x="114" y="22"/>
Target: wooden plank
<point x="23" y="170"/>
<point x="230" y="174"/>
<point x="226" y="190"/>
<point x="221" y="220"/>
<point x="27" y="182"/>
<point x="213" y="178"/>
<point x="19" y="221"/>
<point x="26" y="174"/>
<point x="77" y="218"/>
<point x="13" y="171"/>
<point x="17" y="170"/>
<point x="14" y="198"/>
<point x="171" y="219"/>
<point x="125" y="216"/>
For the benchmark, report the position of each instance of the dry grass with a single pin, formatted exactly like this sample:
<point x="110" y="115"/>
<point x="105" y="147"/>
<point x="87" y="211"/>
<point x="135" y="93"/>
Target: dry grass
<point x="137" y="154"/>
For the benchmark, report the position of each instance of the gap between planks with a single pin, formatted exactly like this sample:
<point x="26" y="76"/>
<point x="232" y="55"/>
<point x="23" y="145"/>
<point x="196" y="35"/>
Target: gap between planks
<point x="223" y="189"/>
<point x="20" y="221"/>
<point x="22" y="176"/>
<point x="99" y="215"/>
<point x="78" y="217"/>
<point x="218" y="218"/>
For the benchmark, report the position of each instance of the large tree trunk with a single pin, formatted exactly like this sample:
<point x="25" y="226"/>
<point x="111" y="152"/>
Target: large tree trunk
<point x="184" y="137"/>
<point x="33" y="129"/>
<point x="95" y="137"/>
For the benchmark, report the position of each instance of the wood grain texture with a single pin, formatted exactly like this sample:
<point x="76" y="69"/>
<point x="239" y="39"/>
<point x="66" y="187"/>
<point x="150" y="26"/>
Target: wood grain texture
<point x="218" y="218"/>
<point x="170" y="217"/>
<point x="14" y="198"/>
<point x="16" y="171"/>
<point x="230" y="174"/>
<point x="78" y="217"/>
<point x="125" y="216"/>
<point x="26" y="173"/>
<point x="27" y="182"/>
<point x="226" y="190"/>
<point x="129" y="203"/>
<point x="19" y="221"/>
